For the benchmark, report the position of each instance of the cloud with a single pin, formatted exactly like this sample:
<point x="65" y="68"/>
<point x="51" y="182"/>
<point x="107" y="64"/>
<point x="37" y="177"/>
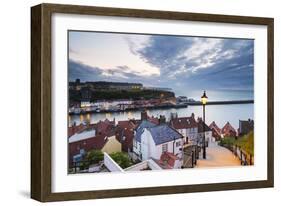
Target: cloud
<point x="185" y="64"/>
<point x="163" y="52"/>
<point x="200" y="62"/>
<point x="79" y="70"/>
<point x="176" y="56"/>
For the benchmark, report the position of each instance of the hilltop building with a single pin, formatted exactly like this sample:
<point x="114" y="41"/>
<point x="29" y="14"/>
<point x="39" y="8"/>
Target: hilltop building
<point x="245" y="126"/>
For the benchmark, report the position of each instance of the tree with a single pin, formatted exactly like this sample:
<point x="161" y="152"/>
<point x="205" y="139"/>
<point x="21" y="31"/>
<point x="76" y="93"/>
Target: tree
<point x="95" y="156"/>
<point x="121" y="158"/>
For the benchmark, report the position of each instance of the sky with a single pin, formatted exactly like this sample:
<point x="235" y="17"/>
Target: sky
<point x="224" y="67"/>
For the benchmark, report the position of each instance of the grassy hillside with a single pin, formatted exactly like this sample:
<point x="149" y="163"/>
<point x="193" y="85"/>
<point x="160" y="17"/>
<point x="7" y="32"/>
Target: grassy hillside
<point x="75" y="96"/>
<point x="246" y="142"/>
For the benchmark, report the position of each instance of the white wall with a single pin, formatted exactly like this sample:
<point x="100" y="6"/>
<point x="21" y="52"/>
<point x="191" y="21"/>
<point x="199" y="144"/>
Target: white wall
<point x="144" y="165"/>
<point x="15" y="121"/>
<point x="150" y="150"/>
<point x="111" y="164"/>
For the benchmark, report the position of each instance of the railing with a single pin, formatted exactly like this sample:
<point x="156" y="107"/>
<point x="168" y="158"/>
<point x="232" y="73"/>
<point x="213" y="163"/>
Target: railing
<point x="191" y="154"/>
<point x="244" y="157"/>
<point x="81" y="166"/>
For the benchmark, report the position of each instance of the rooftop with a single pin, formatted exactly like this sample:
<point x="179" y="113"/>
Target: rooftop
<point x="202" y="126"/>
<point x="144" y="124"/>
<point x="167" y="160"/>
<point x="163" y="133"/>
<point x="214" y="126"/>
<point x="228" y="127"/>
<point x="183" y="122"/>
<point x="86" y="134"/>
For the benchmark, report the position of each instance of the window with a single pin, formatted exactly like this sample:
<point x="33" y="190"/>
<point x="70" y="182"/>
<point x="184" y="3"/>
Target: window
<point x="178" y="144"/>
<point x="164" y="148"/>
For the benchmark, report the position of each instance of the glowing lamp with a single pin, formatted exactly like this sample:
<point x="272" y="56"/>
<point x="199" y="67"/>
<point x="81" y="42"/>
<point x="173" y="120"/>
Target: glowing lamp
<point x="204" y="98"/>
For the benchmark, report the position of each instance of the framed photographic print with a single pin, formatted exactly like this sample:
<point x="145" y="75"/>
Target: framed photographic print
<point x="132" y="102"/>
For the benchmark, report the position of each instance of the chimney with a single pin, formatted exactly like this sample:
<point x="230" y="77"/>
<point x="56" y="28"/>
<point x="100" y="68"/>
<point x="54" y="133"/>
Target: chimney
<point x="193" y="116"/>
<point x="143" y="115"/>
<point x="162" y="119"/>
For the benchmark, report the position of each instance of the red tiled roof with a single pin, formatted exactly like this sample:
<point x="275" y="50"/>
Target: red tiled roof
<point x="125" y="129"/>
<point x="126" y="124"/>
<point x="152" y="119"/>
<point x="105" y="127"/>
<point x="215" y="127"/>
<point x="96" y="142"/>
<point x="228" y="129"/>
<point x="74" y="129"/>
<point x="183" y="122"/>
<point x="167" y="160"/>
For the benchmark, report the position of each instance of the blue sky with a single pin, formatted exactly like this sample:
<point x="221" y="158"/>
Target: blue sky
<point x="188" y="65"/>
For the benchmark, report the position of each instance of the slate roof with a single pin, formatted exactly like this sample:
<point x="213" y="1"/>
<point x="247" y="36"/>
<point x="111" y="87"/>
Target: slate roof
<point x="144" y="124"/>
<point x="201" y="127"/>
<point x="163" y="133"/>
<point x="86" y="134"/>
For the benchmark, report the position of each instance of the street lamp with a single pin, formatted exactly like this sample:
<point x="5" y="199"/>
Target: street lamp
<point x="204" y="99"/>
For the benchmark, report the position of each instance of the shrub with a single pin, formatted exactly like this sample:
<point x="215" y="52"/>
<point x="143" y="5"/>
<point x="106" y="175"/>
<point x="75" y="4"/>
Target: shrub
<point x="95" y="156"/>
<point x="122" y="159"/>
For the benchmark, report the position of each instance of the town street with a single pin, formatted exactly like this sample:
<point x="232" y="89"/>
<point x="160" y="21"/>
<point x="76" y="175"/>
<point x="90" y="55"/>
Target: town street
<point x="218" y="156"/>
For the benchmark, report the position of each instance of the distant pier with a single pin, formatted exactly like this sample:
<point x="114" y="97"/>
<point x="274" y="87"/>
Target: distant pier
<point x="198" y="103"/>
<point x="164" y="106"/>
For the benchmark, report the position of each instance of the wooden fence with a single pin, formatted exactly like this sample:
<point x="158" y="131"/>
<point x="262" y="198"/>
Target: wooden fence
<point x="244" y="157"/>
<point x="191" y="154"/>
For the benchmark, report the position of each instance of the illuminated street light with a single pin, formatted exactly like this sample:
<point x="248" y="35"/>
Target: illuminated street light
<point x="204" y="99"/>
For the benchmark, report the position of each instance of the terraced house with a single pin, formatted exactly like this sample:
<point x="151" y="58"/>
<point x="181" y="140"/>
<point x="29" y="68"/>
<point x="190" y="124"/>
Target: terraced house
<point x="151" y="141"/>
<point x="187" y="127"/>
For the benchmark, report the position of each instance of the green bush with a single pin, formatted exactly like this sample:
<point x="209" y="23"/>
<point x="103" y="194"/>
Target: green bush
<point x="95" y="156"/>
<point x="246" y="142"/>
<point x="122" y="159"/>
<point x="227" y="141"/>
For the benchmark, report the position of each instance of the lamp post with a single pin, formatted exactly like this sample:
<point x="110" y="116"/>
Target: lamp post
<point x="204" y="99"/>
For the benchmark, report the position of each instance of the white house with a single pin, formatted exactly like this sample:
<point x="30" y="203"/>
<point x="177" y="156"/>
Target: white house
<point x="151" y="141"/>
<point x="187" y="126"/>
